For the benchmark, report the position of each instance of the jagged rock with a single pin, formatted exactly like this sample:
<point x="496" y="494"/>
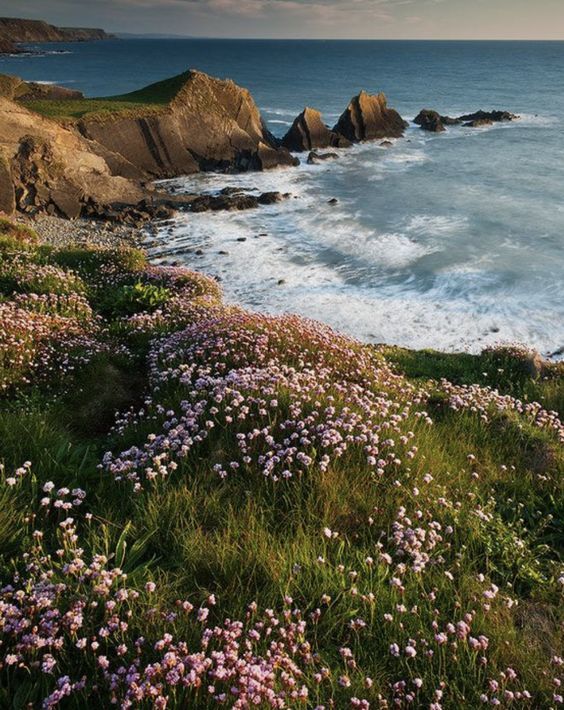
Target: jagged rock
<point x="332" y="201"/>
<point x="492" y="116"/>
<point x="215" y="203"/>
<point x="479" y="123"/>
<point x="433" y="121"/>
<point x="309" y="132"/>
<point x="430" y="121"/>
<point x="315" y="158"/>
<point x="367" y="117"/>
<point x="208" y="124"/>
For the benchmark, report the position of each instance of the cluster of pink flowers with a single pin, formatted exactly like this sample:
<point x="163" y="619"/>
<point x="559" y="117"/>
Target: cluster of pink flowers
<point x="485" y="401"/>
<point x="291" y="393"/>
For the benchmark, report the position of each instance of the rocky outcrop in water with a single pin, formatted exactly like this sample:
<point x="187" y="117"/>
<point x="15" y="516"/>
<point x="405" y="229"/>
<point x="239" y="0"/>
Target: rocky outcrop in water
<point x="233" y="200"/>
<point x="209" y="124"/>
<point x="367" y="117"/>
<point x="309" y="132"/>
<point x="14" y="31"/>
<point x="315" y="158"/>
<point x="430" y="121"/>
<point x="434" y="122"/>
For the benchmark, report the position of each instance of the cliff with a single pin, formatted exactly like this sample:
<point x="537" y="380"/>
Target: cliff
<point x="14" y="31"/>
<point x="45" y="167"/>
<point x="178" y="126"/>
<point x="100" y="152"/>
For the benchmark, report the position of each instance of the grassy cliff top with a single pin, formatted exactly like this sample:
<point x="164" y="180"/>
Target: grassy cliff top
<point x="154" y="97"/>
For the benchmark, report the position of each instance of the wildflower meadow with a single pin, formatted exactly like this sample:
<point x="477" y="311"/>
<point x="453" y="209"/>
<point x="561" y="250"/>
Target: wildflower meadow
<point x="202" y="507"/>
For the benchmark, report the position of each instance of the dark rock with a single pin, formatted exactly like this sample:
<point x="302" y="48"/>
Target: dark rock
<point x="430" y="121"/>
<point x="368" y="117"/>
<point x="315" y="158"/>
<point x="309" y="132"/>
<point x="492" y="116"/>
<point x="199" y="252"/>
<point x="271" y="198"/>
<point x="433" y="121"/>
<point x="241" y="239"/>
<point x="281" y="281"/>
<point x="332" y="201"/>
<point x="215" y="203"/>
<point x="479" y="123"/>
<point x="386" y="144"/>
<point x="267" y="157"/>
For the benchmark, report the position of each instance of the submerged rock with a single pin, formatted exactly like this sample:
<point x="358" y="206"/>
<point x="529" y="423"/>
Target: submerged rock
<point x="367" y="117"/>
<point x="315" y="158"/>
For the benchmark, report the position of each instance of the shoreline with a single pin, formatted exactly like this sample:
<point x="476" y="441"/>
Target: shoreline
<point x="59" y="233"/>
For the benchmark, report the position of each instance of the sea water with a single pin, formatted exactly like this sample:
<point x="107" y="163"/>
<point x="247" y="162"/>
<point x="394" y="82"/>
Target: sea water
<point x="453" y="241"/>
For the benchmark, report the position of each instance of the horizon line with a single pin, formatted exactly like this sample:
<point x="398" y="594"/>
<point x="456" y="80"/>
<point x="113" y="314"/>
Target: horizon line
<point x="164" y="35"/>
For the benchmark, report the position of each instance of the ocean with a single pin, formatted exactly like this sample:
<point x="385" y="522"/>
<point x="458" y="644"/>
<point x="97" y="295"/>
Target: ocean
<point x="451" y="241"/>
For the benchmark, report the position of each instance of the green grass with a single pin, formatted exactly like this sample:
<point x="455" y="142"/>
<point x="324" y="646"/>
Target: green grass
<point x="494" y="488"/>
<point x="150" y="99"/>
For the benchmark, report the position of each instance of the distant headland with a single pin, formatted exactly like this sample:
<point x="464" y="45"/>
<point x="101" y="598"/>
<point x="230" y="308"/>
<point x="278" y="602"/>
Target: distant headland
<point x="15" y="31"/>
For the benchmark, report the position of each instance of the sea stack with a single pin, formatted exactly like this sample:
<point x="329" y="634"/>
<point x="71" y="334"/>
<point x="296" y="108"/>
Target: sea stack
<point x="309" y="132"/>
<point x="367" y="117"/>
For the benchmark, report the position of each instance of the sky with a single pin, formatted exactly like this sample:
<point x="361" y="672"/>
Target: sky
<point x="338" y="19"/>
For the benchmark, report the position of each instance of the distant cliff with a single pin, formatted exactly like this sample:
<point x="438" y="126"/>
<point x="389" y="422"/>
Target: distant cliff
<point x="14" y="31"/>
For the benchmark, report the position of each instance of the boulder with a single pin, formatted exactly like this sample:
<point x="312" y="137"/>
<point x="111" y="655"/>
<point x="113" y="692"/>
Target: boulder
<point x="367" y="117"/>
<point x="315" y="158"/>
<point x="271" y="198"/>
<point x="309" y="132"/>
<point x="430" y="121"/>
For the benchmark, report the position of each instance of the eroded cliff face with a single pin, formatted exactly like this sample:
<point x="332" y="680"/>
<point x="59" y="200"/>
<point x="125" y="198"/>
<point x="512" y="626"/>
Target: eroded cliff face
<point x="211" y="124"/>
<point x="45" y="167"/>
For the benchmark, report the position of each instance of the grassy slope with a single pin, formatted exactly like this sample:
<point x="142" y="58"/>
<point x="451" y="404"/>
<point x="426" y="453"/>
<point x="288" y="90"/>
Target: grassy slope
<point x="244" y="538"/>
<point x="154" y="97"/>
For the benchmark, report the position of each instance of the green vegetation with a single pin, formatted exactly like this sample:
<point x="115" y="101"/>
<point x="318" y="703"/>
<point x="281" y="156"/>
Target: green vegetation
<point x="384" y="536"/>
<point x="150" y="99"/>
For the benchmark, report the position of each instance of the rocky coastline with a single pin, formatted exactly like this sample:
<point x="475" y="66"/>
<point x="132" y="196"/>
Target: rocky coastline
<point x="63" y="155"/>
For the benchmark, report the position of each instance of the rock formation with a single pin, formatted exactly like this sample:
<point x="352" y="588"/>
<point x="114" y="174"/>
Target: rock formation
<point x="208" y="124"/>
<point x="309" y="132"/>
<point x="433" y="121"/>
<point x="430" y="121"/>
<point x="315" y="158"/>
<point x="367" y="117"/>
<point x="48" y="168"/>
<point x="14" y="31"/>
